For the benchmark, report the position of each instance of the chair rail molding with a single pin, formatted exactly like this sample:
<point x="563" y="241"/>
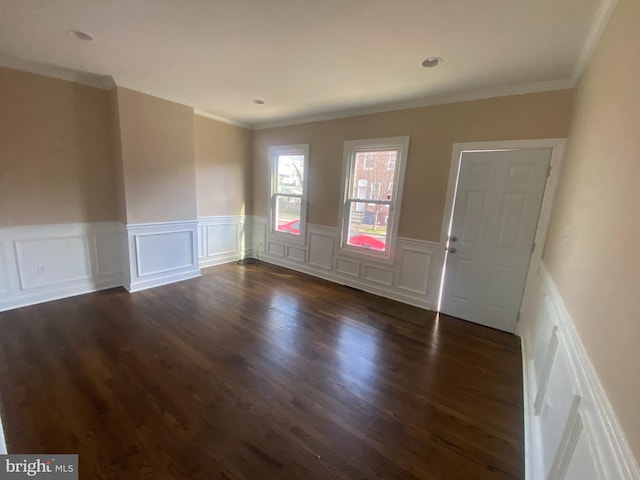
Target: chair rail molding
<point x="571" y="429"/>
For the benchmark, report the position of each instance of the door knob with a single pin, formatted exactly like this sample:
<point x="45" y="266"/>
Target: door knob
<point x="452" y="250"/>
<point x="454" y="239"/>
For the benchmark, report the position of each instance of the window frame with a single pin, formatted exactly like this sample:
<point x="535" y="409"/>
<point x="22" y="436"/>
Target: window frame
<point x="351" y="148"/>
<point x="274" y="153"/>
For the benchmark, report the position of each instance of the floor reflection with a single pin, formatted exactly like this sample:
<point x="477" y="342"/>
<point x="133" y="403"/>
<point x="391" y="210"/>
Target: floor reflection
<point x="283" y="323"/>
<point x="358" y="356"/>
<point x="434" y="338"/>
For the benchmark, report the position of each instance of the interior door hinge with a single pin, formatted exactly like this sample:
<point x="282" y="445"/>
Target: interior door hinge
<point x="549" y="171"/>
<point x="533" y="247"/>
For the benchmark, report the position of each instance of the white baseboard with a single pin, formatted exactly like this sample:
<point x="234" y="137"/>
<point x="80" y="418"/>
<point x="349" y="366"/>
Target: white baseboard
<point x="165" y="279"/>
<point x="58" y="292"/>
<point x="571" y="429"/>
<point x="41" y="263"/>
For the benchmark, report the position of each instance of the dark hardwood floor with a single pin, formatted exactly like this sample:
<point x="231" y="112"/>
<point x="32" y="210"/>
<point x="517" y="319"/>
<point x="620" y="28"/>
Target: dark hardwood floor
<point x="257" y="372"/>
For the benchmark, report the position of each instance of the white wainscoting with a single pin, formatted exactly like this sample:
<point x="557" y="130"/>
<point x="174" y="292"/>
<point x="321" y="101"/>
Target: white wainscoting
<point x="39" y="263"/>
<point x="223" y="239"/>
<point x="571" y="430"/>
<point x="412" y="277"/>
<point x="161" y="253"/>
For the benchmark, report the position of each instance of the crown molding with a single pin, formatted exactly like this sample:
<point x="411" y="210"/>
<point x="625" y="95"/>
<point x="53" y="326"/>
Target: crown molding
<point x="202" y="113"/>
<point x="598" y="25"/>
<point x="179" y="100"/>
<point x="136" y="87"/>
<point x="536" y="87"/>
<point x="104" y="82"/>
<point x="107" y="82"/>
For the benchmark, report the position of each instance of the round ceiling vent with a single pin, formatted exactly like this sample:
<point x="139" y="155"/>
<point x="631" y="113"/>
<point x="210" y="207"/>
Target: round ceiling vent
<point x="432" y="62"/>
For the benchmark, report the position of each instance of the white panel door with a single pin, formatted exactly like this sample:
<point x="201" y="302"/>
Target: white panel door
<point x="495" y="217"/>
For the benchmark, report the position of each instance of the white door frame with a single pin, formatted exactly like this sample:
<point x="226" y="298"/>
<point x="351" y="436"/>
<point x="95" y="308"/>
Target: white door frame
<point x="557" y="145"/>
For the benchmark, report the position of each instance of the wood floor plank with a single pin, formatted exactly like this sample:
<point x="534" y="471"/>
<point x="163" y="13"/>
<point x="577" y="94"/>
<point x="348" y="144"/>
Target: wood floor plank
<point x="256" y="372"/>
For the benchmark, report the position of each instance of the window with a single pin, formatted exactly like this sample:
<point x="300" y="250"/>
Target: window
<point x="391" y="164"/>
<point x="372" y="190"/>
<point x="287" y="210"/>
<point x="375" y="189"/>
<point x="368" y="161"/>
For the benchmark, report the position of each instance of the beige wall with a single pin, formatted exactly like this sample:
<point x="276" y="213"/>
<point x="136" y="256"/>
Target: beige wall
<point x="433" y="132"/>
<point x="598" y="271"/>
<point x="116" y="142"/>
<point x="157" y="157"/>
<point x="56" y="152"/>
<point x="223" y="155"/>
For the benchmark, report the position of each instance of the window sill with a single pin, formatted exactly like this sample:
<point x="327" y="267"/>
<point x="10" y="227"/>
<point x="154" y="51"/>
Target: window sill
<point x="368" y="255"/>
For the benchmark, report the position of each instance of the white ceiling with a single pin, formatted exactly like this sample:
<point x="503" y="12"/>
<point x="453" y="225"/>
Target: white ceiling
<point x="306" y="59"/>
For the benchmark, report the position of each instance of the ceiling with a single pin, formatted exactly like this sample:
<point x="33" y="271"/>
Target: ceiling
<point x="307" y="59"/>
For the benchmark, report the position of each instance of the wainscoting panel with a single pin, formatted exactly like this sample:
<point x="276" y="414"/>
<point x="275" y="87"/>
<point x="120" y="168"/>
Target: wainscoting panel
<point x="383" y="276"/>
<point x="202" y="244"/>
<point x="347" y="267"/>
<point x="413" y="273"/>
<point x="45" y="262"/>
<point x="321" y="246"/>
<point x="5" y="280"/>
<point x="296" y="254"/>
<point x="583" y="464"/>
<point x="109" y="249"/>
<point x="258" y="235"/>
<point x="561" y="405"/>
<point x="571" y="430"/>
<point x="543" y="342"/>
<point x="276" y="249"/>
<point x="161" y="253"/>
<point x="412" y="277"/>
<point x="223" y="239"/>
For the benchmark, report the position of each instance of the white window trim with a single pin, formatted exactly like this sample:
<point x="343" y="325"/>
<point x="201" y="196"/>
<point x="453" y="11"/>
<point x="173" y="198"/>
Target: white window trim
<point x="350" y="148"/>
<point x="274" y="153"/>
